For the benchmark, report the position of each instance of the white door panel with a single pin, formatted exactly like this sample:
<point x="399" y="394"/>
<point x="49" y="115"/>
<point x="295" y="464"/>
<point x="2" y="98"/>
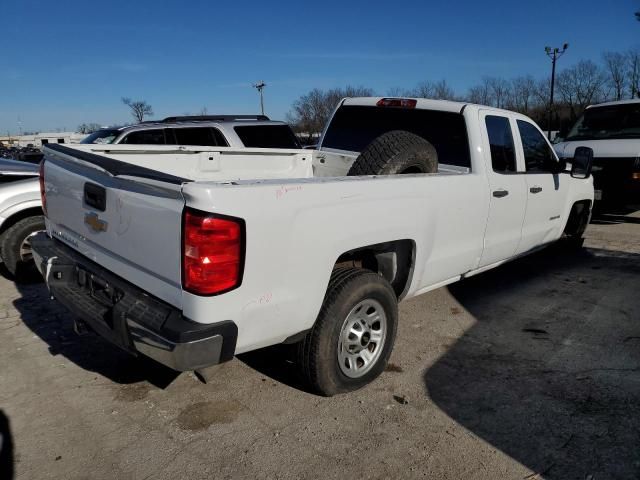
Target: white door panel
<point x="547" y="196"/>
<point x="507" y="189"/>
<point x="546" y="192"/>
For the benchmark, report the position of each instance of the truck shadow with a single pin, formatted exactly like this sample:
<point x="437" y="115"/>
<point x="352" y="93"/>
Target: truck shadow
<point x="54" y="325"/>
<point x="550" y="371"/>
<point x="278" y="363"/>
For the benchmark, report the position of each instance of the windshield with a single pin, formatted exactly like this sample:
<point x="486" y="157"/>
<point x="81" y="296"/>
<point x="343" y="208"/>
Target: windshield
<point x="102" y="136"/>
<point x="267" y="136"/>
<point x="614" y="121"/>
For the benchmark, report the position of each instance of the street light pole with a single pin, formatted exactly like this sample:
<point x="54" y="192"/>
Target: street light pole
<point x="554" y="54"/>
<point x="260" y="87"/>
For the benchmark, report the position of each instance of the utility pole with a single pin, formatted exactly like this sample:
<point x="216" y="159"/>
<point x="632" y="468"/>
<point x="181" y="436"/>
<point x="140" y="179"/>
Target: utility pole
<point x="554" y="54"/>
<point x="260" y="87"/>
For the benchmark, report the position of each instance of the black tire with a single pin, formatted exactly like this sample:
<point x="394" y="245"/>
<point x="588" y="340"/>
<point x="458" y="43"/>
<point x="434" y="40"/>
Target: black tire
<point x="396" y="152"/>
<point x="318" y="351"/>
<point x="576" y="225"/>
<point x="20" y="266"/>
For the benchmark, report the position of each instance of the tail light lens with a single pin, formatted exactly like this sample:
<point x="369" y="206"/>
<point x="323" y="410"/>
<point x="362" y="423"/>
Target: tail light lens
<point x="43" y="195"/>
<point x="397" y="102"/>
<point x="213" y="253"/>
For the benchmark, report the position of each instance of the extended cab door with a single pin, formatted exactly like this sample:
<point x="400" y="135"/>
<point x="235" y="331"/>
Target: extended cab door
<point x="547" y="190"/>
<point x="507" y="188"/>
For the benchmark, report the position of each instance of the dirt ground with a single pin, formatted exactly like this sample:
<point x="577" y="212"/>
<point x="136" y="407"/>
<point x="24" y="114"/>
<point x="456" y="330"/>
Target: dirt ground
<point x="531" y="370"/>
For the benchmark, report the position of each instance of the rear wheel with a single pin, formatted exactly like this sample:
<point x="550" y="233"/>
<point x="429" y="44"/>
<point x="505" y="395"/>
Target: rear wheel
<point x="15" y="247"/>
<point x="351" y="341"/>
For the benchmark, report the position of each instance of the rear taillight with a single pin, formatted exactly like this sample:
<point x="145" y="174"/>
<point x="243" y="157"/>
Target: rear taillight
<point x="43" y="195"/>
<point x="397" y="102"/>
<point x="213" y="253"/>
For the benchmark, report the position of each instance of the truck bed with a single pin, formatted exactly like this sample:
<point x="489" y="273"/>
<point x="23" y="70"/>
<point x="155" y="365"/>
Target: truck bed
<point x="225" y="164"/>
<point x="297" y="221"/>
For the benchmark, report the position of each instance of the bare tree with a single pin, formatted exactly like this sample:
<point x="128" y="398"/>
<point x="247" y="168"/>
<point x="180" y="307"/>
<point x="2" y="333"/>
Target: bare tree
<point x="633" y="72"/>
<point x="500" y="91"/>
<point x="203" y="111"/>
<point x="480" y="94"/>
<point x="397" y="92"/>
<point x="310" y="112"/>
<point x="139" y="108"/>
<point x="522" y="94"/>
<point x="616" y="65"/>
<point x="442" y="91"/>
<point x="439" y="90"/>
<point x="581" y="85"/>
<point x="542" y="92"/>
<point x="424" y="89"/>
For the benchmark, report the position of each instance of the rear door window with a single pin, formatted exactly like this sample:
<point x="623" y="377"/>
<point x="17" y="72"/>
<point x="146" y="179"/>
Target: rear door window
<point x="503" y="155"/>
<point x="354" y="127"/>
<point x="199" y="136"/>
<point x="145" y="137"/>
<point x="267" y="136"/>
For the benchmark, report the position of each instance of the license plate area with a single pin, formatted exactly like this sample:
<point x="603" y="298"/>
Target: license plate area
<point x="98" y="288"/>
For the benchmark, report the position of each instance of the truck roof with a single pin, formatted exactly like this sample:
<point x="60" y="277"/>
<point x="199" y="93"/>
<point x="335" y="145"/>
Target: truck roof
<point x="422" y="103"/>
<point x="617" y="102"/>
<point x="200" y="120"/>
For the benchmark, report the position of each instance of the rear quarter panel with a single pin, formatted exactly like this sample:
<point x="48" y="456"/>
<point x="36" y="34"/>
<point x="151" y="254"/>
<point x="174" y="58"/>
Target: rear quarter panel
<point x="296" y="230"/>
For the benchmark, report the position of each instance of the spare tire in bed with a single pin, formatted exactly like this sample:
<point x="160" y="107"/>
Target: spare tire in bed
<point x="396" y="152"/>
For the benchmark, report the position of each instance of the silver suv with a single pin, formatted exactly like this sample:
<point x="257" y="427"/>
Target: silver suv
<point x="236" y="131"/>
<point x="20" y="216"/>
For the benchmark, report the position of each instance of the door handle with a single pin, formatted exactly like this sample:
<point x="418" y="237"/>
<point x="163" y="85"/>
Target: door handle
<point x="535" y="189"/>
<point x="500" y="193"/>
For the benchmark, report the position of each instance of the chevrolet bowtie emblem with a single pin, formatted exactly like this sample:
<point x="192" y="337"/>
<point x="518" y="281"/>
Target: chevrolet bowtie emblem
<point x="97" y="225"/>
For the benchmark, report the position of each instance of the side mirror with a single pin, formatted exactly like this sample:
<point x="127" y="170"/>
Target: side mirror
<point x="582" y="162"/>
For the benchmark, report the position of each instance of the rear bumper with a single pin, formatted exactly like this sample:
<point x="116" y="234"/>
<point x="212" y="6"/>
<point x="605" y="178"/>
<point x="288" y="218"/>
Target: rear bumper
<point x="127" y="316"/>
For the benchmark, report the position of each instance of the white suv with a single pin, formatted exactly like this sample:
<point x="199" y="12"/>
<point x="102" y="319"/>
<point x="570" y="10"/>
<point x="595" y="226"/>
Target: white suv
<point x="236" y="131"/>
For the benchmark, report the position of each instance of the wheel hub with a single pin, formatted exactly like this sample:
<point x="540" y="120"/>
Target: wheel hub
<point x="362" y="338"/>
<point x="26" y="252"/>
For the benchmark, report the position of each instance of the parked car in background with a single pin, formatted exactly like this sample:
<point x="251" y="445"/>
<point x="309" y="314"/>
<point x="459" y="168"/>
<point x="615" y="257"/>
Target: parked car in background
<point x="29" y="153"/>
<point x="20" y="215"/>
<point x="236" y="131"/>
<point x="612" y="130"/>
<point x="191" y="257"/>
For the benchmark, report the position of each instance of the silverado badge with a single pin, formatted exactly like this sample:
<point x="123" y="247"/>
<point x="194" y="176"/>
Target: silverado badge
<point x="94" y="222"/>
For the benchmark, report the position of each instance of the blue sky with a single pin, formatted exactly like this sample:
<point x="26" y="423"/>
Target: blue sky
<point x="68" y="62"/>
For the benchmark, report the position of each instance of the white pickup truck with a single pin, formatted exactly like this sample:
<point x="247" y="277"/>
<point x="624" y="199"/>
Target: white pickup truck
<point x="191" y="256"/>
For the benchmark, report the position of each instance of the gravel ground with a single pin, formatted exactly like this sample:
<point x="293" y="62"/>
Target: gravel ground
<point x="531" y="370"/>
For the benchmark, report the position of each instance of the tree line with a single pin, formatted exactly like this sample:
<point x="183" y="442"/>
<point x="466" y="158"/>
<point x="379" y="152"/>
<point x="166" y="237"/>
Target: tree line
<point x="616" y="77"/>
